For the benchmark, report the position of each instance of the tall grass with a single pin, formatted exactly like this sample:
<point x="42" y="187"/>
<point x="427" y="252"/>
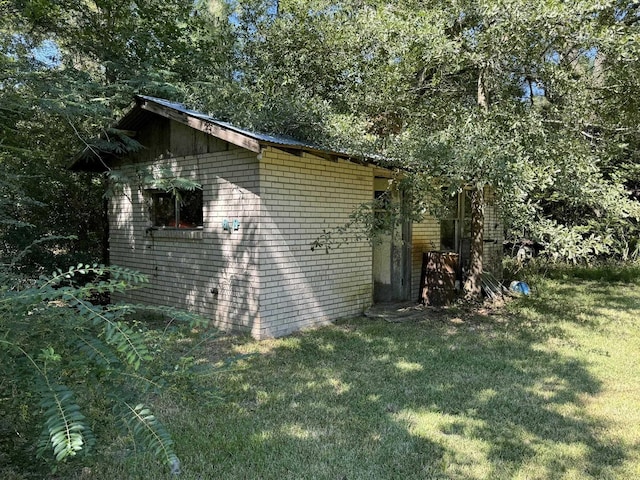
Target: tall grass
<point x="607" y="271"/>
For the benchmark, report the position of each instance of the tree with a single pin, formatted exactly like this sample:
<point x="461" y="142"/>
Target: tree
<point x="66" y="71"/>
<point x="514" y="94"/>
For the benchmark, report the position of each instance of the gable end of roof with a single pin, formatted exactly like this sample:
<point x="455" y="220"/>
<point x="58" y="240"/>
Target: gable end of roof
<point x="145" y="106"/>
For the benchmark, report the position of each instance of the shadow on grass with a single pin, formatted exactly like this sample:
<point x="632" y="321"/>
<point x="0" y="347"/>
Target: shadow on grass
<point x="455" y="395"/>
<point x="442" y="398"/>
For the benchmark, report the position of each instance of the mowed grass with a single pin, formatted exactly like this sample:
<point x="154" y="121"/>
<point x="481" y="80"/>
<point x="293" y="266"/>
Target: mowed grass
<point x="547" y="388"/>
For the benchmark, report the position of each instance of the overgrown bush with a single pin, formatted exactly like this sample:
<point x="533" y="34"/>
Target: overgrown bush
<point x="69" y="364"/>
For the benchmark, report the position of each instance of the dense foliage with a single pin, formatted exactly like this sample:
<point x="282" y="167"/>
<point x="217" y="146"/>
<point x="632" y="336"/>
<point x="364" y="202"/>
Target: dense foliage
<point x="539" y="99"/>
<point x="67" y="70"/>
<point x="70" y="364"/>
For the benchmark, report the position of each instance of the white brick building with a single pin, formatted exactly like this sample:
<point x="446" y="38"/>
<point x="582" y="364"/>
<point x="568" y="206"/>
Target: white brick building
<point x="239" y="251"/>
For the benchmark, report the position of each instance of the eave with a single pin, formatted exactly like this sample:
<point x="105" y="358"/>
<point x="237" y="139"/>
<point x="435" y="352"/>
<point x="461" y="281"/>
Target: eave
<point x="144" y="107"/>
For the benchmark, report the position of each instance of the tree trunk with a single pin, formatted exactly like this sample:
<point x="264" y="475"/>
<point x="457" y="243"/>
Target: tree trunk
<point x="483" y="91"/>
<point x="473" y="283"/>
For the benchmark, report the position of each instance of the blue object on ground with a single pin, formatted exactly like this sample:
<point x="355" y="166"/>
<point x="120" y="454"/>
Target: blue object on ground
<point x="520" y="287"/>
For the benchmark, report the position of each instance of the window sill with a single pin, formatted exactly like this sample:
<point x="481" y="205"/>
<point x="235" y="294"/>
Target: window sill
<point x="175" y="233"/>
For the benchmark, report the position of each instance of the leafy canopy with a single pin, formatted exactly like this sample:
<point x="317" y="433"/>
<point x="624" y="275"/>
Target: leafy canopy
<point x="536" y="99"/>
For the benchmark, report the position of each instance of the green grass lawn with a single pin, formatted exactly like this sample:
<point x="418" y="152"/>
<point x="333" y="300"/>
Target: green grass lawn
<point x="547" y="388"/>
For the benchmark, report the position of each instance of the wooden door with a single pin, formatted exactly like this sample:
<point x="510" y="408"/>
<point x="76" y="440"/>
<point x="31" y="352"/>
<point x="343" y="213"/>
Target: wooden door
<point x="391" y="253"/>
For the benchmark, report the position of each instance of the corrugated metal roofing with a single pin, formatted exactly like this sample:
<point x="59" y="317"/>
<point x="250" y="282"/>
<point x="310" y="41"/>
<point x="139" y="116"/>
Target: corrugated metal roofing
<point x="260" y="137"/>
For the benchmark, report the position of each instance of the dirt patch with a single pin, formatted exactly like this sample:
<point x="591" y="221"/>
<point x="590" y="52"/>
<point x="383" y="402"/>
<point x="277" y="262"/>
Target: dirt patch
<point x="459" y="313"/>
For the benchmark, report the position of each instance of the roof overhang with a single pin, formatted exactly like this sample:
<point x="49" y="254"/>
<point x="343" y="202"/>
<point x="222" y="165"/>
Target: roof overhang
<point x="145" y="107"/>
<point x="195" y="120"/>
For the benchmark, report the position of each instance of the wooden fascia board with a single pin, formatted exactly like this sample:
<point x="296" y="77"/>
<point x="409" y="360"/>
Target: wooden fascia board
<point x="326" y="154"/>
<point x="209" y="128"/>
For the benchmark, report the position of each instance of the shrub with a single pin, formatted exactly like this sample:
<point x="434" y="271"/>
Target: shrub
<point x="69" y="363"/>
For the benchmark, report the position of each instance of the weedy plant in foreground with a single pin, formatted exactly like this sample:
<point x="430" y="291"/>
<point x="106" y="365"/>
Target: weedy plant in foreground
<point x="70" y="363"/>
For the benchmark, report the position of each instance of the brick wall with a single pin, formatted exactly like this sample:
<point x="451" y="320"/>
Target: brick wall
<point x="268" y="280"/>
<point x="302" y="197"/>
<point x="184" y="266"/>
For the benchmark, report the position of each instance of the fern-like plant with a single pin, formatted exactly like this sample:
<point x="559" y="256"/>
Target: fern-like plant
<point x="61" y="352"/>
<point x="144" y="425"/>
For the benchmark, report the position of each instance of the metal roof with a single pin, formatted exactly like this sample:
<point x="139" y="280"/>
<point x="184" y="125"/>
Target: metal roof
<point x="146" y="106"/>
<point x="260" y="137"/>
